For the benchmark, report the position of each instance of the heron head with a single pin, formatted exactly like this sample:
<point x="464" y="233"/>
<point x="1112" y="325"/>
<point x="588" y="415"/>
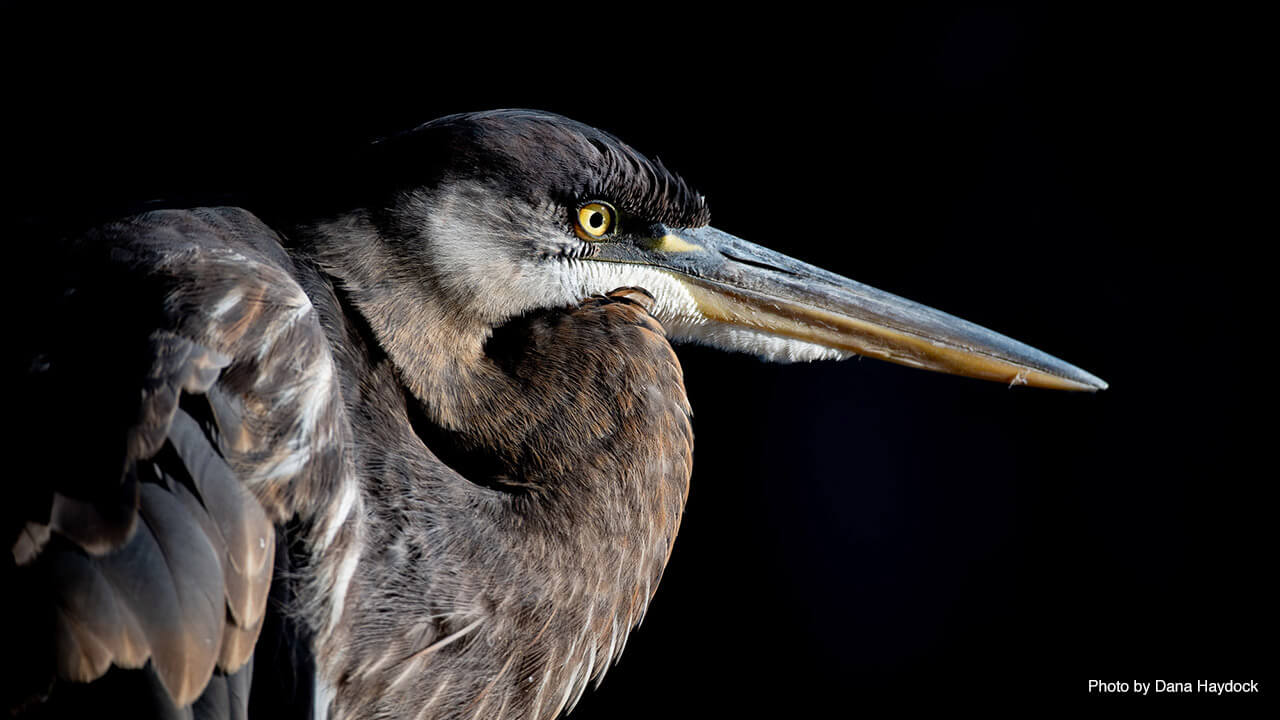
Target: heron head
<point x="523" y="210"/>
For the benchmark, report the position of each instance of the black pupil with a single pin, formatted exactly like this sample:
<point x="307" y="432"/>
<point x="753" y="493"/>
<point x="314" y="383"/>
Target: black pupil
<point x="596" y="220"/>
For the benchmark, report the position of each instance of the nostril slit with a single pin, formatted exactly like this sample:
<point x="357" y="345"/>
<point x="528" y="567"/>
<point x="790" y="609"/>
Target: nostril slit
<point x="753" y="263"/>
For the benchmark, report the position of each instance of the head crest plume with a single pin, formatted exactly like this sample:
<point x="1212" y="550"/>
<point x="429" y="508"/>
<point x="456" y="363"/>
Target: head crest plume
<point x="535" y="153"/>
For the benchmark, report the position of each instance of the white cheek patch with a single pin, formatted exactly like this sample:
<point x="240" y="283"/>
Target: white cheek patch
<point x="673" y="305"/>
<point x="676" y="309"/>
<point x="773" y="348"/>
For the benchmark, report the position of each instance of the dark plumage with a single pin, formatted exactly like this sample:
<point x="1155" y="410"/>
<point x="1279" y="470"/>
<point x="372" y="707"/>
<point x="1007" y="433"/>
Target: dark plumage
<point x="534" y="155"/>
<point x="424" y="413"/>
<point x="264" y="362"/>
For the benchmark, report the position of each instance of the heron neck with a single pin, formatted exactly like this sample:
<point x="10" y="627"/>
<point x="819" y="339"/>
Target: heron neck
<point x="581" y="416"/>
<point x="436" y="345"/>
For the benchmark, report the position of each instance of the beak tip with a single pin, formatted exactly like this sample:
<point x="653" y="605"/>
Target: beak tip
<point x="1087" y="382"/>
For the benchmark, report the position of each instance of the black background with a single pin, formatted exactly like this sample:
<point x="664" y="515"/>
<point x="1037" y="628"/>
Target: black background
<point x="856" y="531"/>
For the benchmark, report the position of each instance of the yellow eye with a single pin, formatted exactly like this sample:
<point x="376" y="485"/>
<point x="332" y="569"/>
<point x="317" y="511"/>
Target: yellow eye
<point x="595" y="220"/>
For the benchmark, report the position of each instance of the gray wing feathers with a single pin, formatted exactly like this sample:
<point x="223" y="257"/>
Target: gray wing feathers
<point x="177" y="589"/>
<point x="233" y="519"/>
<point x="227" y="697"/>
<point x="106" y="522"/>
<point x="168" y="565"/>
<point x="179" y="366"/>
<point x="278" y="404"/>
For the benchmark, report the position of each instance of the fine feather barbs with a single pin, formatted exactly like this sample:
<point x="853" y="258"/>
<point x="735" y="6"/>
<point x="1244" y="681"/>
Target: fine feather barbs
<point x="459" y="414"/>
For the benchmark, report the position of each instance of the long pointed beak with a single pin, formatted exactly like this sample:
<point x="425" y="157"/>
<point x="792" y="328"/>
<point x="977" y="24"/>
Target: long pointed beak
<point x="736" y="284"/>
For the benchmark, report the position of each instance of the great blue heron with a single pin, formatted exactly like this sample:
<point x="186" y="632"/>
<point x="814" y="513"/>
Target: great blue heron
<point x="437" y="419"/>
